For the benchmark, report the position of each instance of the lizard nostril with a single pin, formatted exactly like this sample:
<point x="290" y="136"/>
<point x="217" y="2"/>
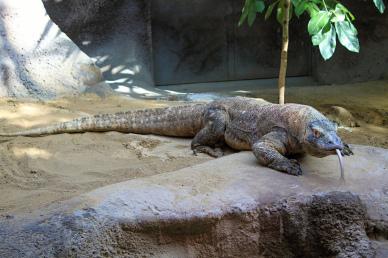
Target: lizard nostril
<point x="330" y="142"/>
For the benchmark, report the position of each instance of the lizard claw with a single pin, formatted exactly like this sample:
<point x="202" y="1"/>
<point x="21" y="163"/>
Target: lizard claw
<point x="294" y="168"/>
<point x="346" y="151"/>
<point x="291" y="167"/>
<point x="213" y="152"/>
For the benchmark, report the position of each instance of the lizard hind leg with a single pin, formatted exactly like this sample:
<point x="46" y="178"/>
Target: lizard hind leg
<point x="209" y="138"/>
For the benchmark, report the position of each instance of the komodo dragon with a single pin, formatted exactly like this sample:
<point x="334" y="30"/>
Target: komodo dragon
<point x="273" y="132"/>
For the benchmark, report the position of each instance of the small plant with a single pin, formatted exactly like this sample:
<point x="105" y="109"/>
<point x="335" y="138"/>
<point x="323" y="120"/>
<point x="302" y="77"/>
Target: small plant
<point x="329" y="20"/>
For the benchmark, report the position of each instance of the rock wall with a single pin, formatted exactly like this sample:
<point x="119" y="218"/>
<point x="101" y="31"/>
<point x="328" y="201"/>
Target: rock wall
<point x="115" y="33"/>
<point x="146" y="43"/>
<point x="36" y="58"/>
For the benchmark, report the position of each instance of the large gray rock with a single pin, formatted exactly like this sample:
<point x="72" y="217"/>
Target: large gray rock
<point x="117" y="34"/>
<point x="228" y="207"/>
<point x="36" y="58"/>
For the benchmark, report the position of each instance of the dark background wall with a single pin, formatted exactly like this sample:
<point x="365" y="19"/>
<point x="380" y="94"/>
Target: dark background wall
<point x="199" y="41"/>
<point x="372" y="61"/>
<point x="163" y="42"/>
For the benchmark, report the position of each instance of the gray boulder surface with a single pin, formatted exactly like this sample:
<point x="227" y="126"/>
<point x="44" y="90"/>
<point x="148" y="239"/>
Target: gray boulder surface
<point x="227" y="207"/>
<point x="117" y="35"/>
<point x="341" y="116"/>
<point x="36" y="58"/>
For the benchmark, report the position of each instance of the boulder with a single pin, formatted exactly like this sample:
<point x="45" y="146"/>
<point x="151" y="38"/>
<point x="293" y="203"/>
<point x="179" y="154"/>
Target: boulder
<point x="117" y="35"/>
<point x="36" y="58"/>
<point x="228" y="207"/>
<point x="341" y="116"/>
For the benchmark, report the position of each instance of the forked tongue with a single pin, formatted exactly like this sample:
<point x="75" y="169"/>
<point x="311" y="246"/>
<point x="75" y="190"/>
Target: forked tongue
<point x="341" y="164"/>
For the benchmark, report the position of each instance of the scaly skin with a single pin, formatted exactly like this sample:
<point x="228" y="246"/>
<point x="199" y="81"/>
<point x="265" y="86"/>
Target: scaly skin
<point x="273" y="132"/>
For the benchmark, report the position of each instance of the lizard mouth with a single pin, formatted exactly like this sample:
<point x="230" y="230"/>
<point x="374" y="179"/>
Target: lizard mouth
<point x="323" y="152"/>
<point x="334" y="147"/>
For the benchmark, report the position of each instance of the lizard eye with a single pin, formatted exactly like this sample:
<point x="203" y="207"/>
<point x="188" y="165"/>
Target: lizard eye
<point x="316" y="133"/>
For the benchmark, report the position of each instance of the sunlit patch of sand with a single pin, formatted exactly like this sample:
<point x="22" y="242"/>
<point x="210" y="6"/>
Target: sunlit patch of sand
<point x="27" y="115"/>
<point x="23" y="110"/>
<point x="31" y="152"/>
<point x="109" y="104"/>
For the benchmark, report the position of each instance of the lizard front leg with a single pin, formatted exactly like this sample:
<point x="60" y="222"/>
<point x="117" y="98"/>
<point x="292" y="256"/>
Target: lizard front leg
<point x="270" y="150"/>
<point x="207" y="138"/>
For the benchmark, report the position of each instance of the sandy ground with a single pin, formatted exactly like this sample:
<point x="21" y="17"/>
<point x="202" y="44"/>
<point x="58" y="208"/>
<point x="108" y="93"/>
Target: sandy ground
<point x="367" y="102"/>
<point x="35" y="172"/>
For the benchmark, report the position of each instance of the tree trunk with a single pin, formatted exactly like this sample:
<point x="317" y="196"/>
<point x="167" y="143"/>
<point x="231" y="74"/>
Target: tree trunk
<point x="284" y="53"/>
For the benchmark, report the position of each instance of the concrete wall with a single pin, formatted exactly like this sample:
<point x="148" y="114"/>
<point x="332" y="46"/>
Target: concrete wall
<point x="171" y="42"/>
<point x="199" y="41"/>
<point x="372" y="61"/>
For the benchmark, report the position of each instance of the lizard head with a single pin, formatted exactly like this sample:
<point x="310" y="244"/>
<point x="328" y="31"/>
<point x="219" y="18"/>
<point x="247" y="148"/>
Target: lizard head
<point x="321" y="138"/>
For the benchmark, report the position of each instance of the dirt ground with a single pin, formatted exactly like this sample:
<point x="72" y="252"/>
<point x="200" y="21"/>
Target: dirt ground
<point x="367" y="102"/>
<point x="35" y="172"/>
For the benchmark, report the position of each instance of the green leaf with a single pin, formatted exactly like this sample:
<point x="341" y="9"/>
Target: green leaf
<point x="338" y="18"/>
<point x="280" y="12"/>
<point x="318" y="21"/>
<point x="269" y="10"/>
<point x="244" y="13"/>
<point x="251" y="15"/>
<point x="251" y="7"/>
<point x="339" y="15"/>
<point x="260" y="6"/>
<point x="313" y="9"/>
<point x="380" y="5"/>
<point x="242" y="18"/>
<point x="300" y="8"/>
<point x="328" y="44"/>
<point x="319" y="37"/>
<point x="347" y="35"/>
<point x="352" y="28"/>
<point x="345" y="10"/>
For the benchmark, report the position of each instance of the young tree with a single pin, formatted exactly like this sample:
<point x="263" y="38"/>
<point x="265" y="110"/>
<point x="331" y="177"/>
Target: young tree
<point x="329" y="19"/>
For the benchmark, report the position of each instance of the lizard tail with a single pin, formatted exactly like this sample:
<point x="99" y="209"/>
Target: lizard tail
<point x="78" y="125"/>
<point x="183" y="121"/>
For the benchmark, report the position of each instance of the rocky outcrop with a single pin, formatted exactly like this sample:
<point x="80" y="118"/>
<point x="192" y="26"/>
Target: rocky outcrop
<point x="228" y="207"/>
<point x="341" y="116"/>
<point x="36" y="58"/>
<point x="116" y="34"/>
